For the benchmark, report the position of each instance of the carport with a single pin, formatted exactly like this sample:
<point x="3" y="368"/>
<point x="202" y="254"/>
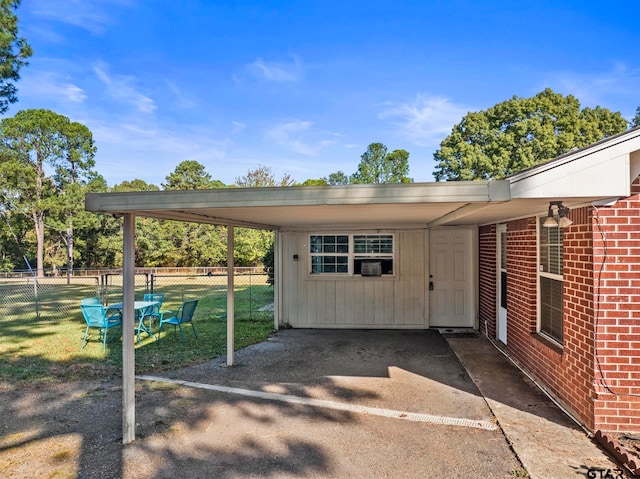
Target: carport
<point x="427" y="206"/>
<point x="323" y="207"/>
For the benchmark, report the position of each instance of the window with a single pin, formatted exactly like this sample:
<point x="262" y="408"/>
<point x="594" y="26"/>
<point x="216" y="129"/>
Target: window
<point x="361" y="254"/>
<point x="373" y="244"/>
<point x="329" y="254"/>
<point x="550" y="294"/>
<point x="373" y="255"/>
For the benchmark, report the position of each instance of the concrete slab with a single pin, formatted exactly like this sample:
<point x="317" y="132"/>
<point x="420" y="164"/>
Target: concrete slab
<point x="307" y="403"/>
<point x="232" y="434"/>
<point x="547" y="442"/>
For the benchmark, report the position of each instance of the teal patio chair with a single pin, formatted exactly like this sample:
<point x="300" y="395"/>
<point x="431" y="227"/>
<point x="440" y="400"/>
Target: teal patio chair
<point x="154" y="310"/>
<point x="92" y="300"/>
<point x="149" y="314"/>
<point x="183" y="315"/>
<point x="97" y="316"/>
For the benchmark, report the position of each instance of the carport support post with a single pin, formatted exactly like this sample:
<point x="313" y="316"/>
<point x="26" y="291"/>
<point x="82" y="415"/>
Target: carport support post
<point x="230" y="295"/>
<point x="128" y="352"/>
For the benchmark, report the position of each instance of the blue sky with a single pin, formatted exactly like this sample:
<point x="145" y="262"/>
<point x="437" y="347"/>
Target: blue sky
<point x="304" y="86"/>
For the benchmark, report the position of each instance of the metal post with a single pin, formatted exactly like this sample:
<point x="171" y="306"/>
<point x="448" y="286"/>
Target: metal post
<point x="277" y="278"/>
<point x="128" y="352"/>
<point x="230" y="295"/>
<point x="35" y="286"/>
<point x="69" y="252"/>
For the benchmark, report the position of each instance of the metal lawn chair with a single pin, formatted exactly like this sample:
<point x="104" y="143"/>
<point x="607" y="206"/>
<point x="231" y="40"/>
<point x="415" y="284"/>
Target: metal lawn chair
<point x="154" y="310"/>
<point x="183" y="315"/>
<point x="150" y="313"/>
<point x="97" y="316"/>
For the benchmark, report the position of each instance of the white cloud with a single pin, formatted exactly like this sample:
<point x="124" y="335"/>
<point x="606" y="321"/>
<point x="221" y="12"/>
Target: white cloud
<point x="51" y="85"/>
<point x="129" y="148"/>
<point x="278" y="72"/>
<point x="149" y="138"/>
<point x="298" y="136"/>
<point x="91" y="15"/>
<point x="121" y="87"/>
<point x="424" y="121"/>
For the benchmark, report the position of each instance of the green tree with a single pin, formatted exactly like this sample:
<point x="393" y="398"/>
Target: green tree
<point x="134" y="185"/>
<point x="149" y="244"/>
<point x="32" y="141"/>
<point x="636" y="119"/>
<point x="313" y="182"/>
<point x="251" y="245"/>
<point x="377" y="165"/>
<point x="520" y="133"/>
<point x="15" y="243"/>
<point x="71" y="177"/>
<point x="262" y="176"/>
<point x="190" y="175"/>
<point x="14" y="51"/>
<point x="337" y="178"/>
<point x="97" y="240"/>
<point x="192" y="244"/>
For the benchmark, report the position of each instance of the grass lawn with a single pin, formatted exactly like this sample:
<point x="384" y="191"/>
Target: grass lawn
<point x="49" y="349"/>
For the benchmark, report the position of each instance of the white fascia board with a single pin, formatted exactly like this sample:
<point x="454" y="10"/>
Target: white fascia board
<point x="467" y="191"/>
<point x="595" y="176"/>
<point x="601" y="170"/>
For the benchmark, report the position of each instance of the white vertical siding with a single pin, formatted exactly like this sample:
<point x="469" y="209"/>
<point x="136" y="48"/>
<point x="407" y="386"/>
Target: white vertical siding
<point x="387" y="302"/>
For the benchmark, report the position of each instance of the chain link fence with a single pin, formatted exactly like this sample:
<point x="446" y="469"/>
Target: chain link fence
<point x="57" y="298"/>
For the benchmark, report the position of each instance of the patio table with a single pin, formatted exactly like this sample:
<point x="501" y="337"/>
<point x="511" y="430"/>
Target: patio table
<point x="141" y="309"/>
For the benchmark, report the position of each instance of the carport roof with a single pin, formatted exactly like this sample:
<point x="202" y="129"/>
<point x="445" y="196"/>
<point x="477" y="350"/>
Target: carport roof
<point x="400" y="205"/>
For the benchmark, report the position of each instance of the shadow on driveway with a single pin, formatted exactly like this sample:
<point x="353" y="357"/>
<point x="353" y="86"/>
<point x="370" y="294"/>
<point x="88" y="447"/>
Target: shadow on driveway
<point x="189" y="432"/>
<point x="227" y="435"/>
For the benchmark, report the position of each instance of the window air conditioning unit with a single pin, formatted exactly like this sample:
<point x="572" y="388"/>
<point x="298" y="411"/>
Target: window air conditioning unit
<point x="371" y="268"/>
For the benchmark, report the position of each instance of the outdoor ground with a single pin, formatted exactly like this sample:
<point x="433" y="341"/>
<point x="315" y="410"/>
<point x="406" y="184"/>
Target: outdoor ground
<point x="73" y="429"/>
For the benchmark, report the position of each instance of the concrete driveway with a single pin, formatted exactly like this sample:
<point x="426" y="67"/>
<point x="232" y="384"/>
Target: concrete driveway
<point x="321" y="403"/>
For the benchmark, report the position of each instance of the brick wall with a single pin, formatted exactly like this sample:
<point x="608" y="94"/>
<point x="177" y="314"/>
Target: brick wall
<point x="487" y="280"/>
<point x="601" y="307"/>
<point x="567" y="372"/>
<point x="616" y="233"/>
<point x="576" y="365"/>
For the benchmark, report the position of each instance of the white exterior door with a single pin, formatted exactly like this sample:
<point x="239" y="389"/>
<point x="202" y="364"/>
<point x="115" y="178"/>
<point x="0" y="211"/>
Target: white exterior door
<point x="501" y="268"/>
<point x="452" y="283"/>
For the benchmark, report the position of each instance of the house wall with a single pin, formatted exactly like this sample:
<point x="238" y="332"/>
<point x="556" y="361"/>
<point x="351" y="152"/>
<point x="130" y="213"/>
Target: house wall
<point x="596" y="374"/>
<point x="617" y="313"/>
<point x="487" y="257"/>
<point x="314" y="301"/>
<point x="565" y="372"/>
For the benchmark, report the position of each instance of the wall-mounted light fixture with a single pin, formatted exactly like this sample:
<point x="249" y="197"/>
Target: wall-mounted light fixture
<point x="563" y="212"/>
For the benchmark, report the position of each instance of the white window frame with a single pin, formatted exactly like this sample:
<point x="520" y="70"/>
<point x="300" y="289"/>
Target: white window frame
<point x="352" y="255"/>
<point x="558" y="277"/>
